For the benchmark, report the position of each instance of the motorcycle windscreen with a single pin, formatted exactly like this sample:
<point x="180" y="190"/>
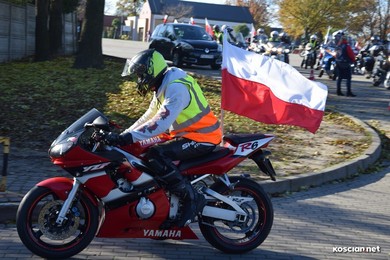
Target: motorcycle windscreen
<point x="78" y="125"/>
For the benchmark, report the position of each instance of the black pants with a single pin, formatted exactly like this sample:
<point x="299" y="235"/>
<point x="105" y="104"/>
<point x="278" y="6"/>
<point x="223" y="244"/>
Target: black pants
<point x="344" y="72"/>
<point x="161" y="157"/>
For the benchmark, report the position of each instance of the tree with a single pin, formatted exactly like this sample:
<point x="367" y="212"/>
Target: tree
<point x="178" y="11"/>
<point x="42" y="43"/>
<point x="257" y="8"/>
<point x="242" y="28"/>
<point x="314" y="16"/>
<point x="55" y="25"/>
<point x="129" y="7"/>
<point x="116" y="23"/>
<point x="48" y="26"/>
<point x="90" y="54"/>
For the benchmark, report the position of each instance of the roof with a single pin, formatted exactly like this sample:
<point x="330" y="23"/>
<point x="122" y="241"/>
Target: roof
<point x="238" y="14"/>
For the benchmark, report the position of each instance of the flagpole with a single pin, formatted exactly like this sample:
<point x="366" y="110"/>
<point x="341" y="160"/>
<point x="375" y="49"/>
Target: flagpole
<point x="222" y="123"/>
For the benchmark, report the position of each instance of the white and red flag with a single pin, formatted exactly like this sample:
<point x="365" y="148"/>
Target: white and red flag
<point x="270" y="91"/>
<point x="253" y="32"/>
<point x="208" y="28"/>
<point x="191" y="21"/>
<point x="165" y="19"/>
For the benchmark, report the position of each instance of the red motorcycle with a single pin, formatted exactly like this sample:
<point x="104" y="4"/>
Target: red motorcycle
<point x="114" y="194"/>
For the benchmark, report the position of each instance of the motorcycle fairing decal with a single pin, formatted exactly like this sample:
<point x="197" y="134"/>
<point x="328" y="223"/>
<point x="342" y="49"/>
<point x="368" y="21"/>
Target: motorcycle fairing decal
<point x="85" y="178"/>
<point x="245" y="149"/>
<point x="95" y="167"/>
<point x="162" y="233"/>
<point x="150" y="141"/>
<point x="113" y="195"/>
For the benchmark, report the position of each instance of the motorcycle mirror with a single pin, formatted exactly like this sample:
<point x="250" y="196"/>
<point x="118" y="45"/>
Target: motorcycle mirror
<point x="100" y="122"/>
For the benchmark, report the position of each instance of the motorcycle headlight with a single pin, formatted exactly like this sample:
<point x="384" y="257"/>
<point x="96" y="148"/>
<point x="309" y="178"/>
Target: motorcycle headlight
<point x="62" y="148"/>
<point x="280" y="50"/>
<point x="286" y="50"/>
<point x="274" y="49"/>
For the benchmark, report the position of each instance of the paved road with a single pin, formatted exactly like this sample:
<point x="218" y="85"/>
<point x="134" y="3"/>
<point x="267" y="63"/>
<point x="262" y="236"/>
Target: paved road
<point x="342" y="216"/>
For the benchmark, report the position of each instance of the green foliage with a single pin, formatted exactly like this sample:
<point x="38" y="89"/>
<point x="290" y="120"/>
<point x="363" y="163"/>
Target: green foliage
<point x="116" y="23"/>
<point x="314" y="16"/>
<point x="243" y="28"/>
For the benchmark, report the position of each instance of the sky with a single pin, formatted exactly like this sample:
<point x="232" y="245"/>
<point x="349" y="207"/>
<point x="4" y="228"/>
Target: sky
<point x="110" y="4"/>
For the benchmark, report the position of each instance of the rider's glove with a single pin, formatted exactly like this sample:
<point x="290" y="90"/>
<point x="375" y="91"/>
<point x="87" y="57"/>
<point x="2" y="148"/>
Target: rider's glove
<point x="118" y="139"/>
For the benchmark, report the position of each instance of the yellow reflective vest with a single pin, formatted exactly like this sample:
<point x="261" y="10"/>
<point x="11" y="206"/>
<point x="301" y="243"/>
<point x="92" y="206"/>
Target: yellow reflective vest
<point x="196" y="122"/>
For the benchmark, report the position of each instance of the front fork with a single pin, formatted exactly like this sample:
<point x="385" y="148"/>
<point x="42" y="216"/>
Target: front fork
<point x="68" y="202"/>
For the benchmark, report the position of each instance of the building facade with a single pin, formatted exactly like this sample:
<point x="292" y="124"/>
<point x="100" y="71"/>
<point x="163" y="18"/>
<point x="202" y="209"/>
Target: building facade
<point x="154" y="12"/>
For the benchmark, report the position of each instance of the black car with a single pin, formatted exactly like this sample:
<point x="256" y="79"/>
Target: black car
<point x="186" y="43"/>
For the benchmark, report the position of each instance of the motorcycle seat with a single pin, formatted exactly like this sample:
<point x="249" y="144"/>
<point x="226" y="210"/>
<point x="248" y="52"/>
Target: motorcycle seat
<point x="217" y="153"/>
<point x="242" y="138"/>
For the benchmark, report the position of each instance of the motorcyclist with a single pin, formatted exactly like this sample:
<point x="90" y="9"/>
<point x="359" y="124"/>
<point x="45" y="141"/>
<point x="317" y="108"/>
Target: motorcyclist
<point x="313" y="41"/>
<point x="218" y="34"/>
<point x="274" y="36"/>
<point x="344" y="58"/>
<point x="368" y="53"/>
<point x="231" y="38"/>
<point x="179" y="108"/>
<point x="284" y="38"/>
<point x="261" y="36"/>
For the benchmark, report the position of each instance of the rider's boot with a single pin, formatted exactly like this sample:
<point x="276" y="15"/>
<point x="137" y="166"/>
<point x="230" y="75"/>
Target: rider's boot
<point x="193" y="202"/>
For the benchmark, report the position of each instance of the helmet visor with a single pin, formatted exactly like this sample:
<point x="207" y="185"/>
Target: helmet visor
<point x="133" y="69"/>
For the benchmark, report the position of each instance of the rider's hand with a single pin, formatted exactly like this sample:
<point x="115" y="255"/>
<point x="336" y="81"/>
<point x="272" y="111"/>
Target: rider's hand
<point x="118" y="139"/>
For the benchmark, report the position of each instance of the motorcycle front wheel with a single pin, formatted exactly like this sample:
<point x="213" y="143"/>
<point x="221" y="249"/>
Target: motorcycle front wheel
<point x="239" y="237"/>
<point x="39" y="232"/>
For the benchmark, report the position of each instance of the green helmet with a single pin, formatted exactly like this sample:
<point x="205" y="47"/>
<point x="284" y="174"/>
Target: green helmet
<point x="147" y="67"/>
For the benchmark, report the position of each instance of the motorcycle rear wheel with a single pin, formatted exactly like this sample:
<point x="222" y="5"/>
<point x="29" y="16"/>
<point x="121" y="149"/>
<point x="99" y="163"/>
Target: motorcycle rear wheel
<point x="234" y="237"/>
<point x="37" y="228"/>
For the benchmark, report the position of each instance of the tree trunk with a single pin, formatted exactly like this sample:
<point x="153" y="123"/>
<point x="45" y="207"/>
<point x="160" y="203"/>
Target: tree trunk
<point x="55" y="26"/>
<point x="42" y="40"/>
<point x="90" y="53"/>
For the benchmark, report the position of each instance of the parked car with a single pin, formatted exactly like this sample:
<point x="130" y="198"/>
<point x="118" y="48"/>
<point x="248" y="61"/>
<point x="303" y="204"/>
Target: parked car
<point x="186" y="43"/>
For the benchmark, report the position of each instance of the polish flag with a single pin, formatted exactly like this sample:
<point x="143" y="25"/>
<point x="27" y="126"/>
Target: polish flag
<point x="253" y="32"/>
<point x="165" y="18"/>
<point x="270" y="91"/>
<point x="191" y="21"/>
<point x="208" y="28"/>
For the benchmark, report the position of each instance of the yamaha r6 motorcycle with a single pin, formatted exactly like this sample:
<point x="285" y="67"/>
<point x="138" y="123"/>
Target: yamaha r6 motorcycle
<point x="328" y="62"/>
<point x="113" y="194"/>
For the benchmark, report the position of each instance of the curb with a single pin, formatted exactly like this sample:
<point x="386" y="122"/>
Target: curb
<point x="9" y="207"/>
<point x="336" y="172"/>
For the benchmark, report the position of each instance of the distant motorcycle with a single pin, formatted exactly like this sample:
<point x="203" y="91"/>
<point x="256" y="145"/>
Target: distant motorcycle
<point x="309" y="56"/>
<point x="277" y="50"/>
<point x="381" y="71"/>
<point x="328" y="62"/>
<point x="258" y="46"/>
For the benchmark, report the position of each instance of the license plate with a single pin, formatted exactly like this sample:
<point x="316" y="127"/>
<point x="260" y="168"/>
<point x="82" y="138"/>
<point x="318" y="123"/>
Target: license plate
<point x="207" y="56"/>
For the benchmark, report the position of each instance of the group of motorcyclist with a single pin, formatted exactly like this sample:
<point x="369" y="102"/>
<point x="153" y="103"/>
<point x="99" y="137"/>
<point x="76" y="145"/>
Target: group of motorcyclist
<point x="372" y="60"/>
